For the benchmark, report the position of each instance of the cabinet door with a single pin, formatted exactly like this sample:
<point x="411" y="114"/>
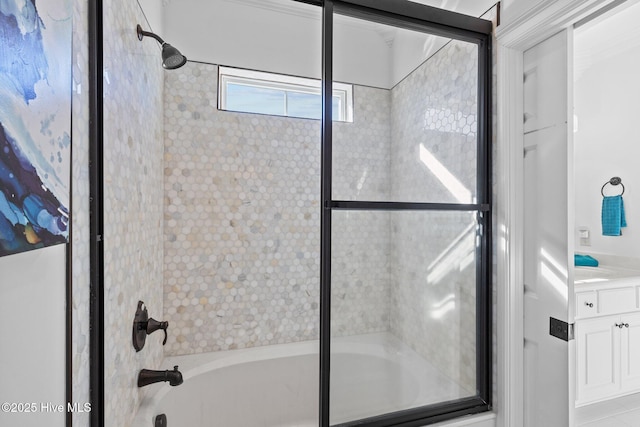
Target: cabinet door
<point x="598" y="354"/>
<point x="630" y="349"/>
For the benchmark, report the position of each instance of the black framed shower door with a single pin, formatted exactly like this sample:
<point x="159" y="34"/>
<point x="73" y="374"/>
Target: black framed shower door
<point x="420" y="18"/>
<point x="397" y="13"/>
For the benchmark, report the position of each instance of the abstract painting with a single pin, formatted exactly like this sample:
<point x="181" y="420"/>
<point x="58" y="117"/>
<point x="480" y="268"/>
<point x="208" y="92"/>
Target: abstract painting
<point x="35" y="123"/>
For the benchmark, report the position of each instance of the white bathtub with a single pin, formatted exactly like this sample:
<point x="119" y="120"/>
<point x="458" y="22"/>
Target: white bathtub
<point x="277" y="386"/>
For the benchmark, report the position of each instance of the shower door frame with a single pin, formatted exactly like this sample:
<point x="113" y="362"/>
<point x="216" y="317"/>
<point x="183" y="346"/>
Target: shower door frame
<point x="401" y="13"/>
<point x="96" y="213"/>
<point x="453" y="25"/>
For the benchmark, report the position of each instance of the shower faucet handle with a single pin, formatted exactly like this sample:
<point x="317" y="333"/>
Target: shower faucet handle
<point x="153" y="325"/>
<point x="143" y="325"/>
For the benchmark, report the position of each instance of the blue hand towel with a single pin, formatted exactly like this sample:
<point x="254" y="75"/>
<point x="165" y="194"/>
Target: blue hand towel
<point x="613" y="218"/>
<point x="584" y="261"/>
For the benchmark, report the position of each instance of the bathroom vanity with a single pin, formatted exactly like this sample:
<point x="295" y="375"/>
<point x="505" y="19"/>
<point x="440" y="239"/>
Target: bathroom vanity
<point x="607" y="332"/>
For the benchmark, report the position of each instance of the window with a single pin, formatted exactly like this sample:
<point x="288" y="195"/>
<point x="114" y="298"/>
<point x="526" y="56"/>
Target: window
<point x="259" y="92"/>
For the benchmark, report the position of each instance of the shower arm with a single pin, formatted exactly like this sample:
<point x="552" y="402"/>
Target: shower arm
<point x="142" y="33"/>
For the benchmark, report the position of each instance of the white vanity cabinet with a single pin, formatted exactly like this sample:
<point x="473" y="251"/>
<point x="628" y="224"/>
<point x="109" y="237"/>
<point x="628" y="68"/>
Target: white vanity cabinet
<point x="607" y="334"/>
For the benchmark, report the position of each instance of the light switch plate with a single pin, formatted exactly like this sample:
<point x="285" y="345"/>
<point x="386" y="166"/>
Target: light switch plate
<point x="585" y="236"/>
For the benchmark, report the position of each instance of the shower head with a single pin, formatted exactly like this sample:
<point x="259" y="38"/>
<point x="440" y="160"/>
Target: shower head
<point x="171" y="57"/>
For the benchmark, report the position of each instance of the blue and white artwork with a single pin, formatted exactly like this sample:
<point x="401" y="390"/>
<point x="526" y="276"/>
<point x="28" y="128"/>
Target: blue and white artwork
<point x="35" y="123"/>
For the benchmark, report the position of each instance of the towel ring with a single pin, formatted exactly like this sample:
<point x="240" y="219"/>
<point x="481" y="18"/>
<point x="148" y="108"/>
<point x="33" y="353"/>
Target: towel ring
<point x="616" y="180"/>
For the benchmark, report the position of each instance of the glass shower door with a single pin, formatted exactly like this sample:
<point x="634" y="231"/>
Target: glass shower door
<point x="409" y="222"/>
<point x="403" y="311"/>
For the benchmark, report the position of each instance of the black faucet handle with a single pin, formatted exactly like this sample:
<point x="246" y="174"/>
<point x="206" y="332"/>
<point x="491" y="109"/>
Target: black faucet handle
<point x="153" y="325"/>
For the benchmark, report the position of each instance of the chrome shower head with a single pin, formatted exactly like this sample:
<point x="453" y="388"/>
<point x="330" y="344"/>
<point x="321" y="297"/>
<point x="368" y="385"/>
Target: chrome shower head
<point x="171" y="57"/>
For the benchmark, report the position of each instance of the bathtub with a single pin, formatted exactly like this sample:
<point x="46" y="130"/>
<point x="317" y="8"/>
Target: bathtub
<point x="277" y="386"/>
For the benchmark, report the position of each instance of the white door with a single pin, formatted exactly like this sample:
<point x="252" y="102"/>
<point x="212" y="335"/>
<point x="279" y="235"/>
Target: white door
<point x="548" y="251"/>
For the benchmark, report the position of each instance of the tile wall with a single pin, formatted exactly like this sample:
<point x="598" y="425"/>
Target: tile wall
<point x="133" y="240"/>
<point x="242" y="220"/>
<point x="80" y="212"/>
<point x="360" y="280"/>
<point x="242" y="217"/>
<point x="434" y="160"/>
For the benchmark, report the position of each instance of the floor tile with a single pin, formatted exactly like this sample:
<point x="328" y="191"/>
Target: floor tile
<point x="631" y="417"/>
<point x="609" y="422"/>
<point x="620" y="412"/>
<point x="631" y="401"/>
<point x="600" y="410"/>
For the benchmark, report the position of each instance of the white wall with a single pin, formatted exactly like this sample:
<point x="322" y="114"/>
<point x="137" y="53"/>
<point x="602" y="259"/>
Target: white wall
<point x="606" y="143"/>
<point x="211" y="32"/>
<point x="410" y="50"/>
<point x="153" y="12"/>
<point x="283" y="40"/>
<point x="32" y="330"/>
<point x="285" y="37"/>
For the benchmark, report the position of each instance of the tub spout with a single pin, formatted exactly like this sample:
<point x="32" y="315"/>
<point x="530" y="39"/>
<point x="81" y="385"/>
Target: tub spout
<point x="147" y="376"/>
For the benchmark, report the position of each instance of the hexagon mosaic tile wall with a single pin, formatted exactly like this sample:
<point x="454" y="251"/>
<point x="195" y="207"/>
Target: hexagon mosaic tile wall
<point x="433" y="295"/>
<point x="242" y="219"/>
<point x="80" y="214"/>
<point x="133" y="240"/>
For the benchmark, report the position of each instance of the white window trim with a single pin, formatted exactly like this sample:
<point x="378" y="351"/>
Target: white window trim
<point x="261" y="79"/>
